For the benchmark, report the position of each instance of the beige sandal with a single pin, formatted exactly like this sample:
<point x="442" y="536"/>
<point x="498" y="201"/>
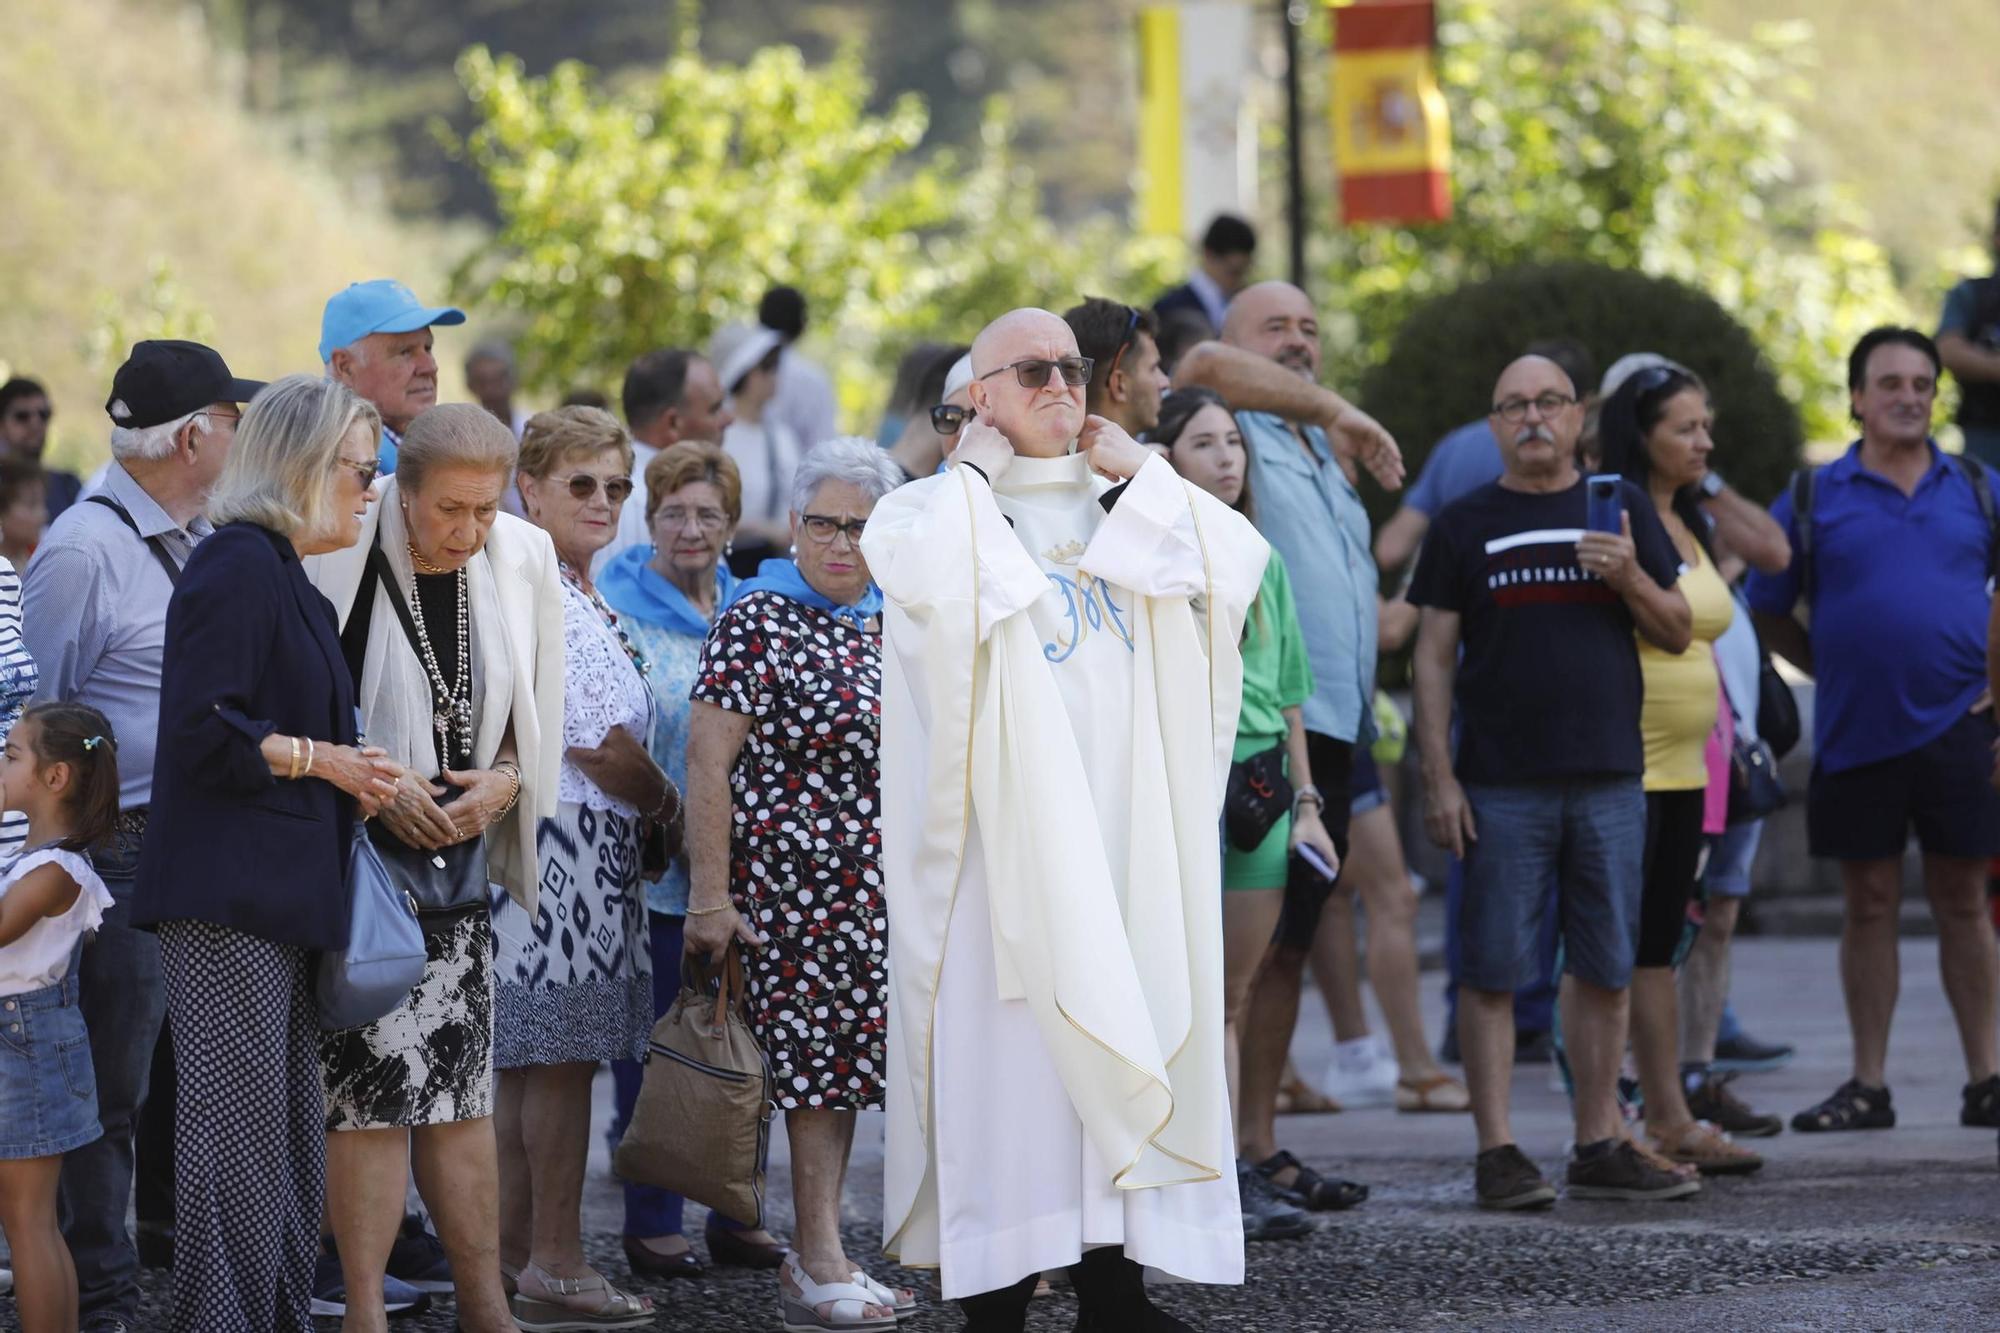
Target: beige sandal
<point x="553" y="1311"/>
<point x="1439" y="1092"/>
<point x="1706" y="1149"/>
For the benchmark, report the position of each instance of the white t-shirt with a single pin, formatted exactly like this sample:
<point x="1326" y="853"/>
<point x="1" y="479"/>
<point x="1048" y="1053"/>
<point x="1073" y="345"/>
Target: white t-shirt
<point x="766" y="454"/>
<point x="40" y="958"/>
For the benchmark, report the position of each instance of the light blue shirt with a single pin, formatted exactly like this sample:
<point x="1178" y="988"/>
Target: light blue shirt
<point x="1307" y="510"/>
<point x="1459" y="464"/>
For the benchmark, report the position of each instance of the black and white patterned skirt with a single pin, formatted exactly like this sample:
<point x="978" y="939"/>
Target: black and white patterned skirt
<point x="430" y="1062"/>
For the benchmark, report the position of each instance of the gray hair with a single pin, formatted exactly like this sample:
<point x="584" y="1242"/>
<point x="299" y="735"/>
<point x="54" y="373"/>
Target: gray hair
<point x="146" y="444"/>
<point x="453" y="435"/>
<point x="355" y="349"/>
<point x="851" y="458"/>
<point x="280" y="473"/>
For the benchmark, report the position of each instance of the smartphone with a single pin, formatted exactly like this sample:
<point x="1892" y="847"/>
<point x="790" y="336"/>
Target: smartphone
<point x="1606" y="513"/>
<point x="1310" y="855"/>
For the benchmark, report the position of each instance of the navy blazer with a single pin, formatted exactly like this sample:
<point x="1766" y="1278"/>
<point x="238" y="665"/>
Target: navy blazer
<point x="251" y="648"/>
<point x="1181" y="300"/>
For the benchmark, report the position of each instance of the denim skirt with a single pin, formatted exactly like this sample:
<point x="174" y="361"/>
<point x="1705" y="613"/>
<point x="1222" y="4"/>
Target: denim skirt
<point x="48" y="1089"/>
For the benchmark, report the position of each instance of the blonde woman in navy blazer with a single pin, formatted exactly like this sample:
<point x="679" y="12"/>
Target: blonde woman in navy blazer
<point x="259" y="780"/>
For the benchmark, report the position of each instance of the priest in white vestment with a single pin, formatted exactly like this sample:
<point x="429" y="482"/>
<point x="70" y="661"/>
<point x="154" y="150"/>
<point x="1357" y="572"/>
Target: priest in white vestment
<point x="1060" y="690"/>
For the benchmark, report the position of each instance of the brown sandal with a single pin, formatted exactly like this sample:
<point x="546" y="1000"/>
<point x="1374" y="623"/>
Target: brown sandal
<point x="1439" y="1092"/>
<point x="1707" y="1150"/>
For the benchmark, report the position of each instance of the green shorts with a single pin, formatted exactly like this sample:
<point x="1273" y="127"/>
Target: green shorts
<point x="1264" y="868"/>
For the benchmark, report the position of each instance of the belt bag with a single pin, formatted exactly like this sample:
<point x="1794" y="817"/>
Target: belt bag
<point x="384" y="958"/>
<point x="1258" y="796"/>
<point x="447" y="879"/>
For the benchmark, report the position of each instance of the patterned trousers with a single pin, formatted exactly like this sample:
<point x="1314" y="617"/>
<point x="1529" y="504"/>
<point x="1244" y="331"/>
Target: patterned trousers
<point x="250" y="1147"/>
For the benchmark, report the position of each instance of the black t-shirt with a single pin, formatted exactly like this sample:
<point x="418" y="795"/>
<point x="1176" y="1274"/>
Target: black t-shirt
<point x="1548" y="686"/>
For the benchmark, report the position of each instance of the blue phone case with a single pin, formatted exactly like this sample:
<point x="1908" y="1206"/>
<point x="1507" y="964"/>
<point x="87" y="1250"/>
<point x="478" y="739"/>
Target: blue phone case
<point x="1606" y="509"/>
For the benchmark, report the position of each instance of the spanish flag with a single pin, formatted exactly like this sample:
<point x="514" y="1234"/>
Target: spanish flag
<point x="1197" y="157"/>
<point x="1391" y="133"/>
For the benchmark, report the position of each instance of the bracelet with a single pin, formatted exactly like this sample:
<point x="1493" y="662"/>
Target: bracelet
<point x="293" y="773"/>
<point x="513" y="772"/>
<point x="707" y="911"/>
<point x="309" y="758"/>
<point x="671" y="794"/>
<point x="1308" y="794"/>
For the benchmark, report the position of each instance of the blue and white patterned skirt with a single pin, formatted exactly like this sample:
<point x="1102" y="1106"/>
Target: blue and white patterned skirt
<point x="575" y="983"/>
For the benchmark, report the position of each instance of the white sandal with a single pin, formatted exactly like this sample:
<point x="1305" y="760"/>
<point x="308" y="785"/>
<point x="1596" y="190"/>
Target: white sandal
<point x="848" y="1303"/>
<point x="905" y="1306"/>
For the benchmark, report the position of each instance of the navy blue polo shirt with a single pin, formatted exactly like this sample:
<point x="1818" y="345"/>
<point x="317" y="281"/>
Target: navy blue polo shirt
<point x="1899" y="606"/>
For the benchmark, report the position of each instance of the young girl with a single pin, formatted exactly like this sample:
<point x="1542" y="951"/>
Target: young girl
<point x="60" y="772"/>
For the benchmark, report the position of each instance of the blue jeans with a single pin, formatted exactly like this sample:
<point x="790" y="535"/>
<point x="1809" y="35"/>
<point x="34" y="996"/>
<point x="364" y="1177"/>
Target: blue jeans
<point x="124" y="1001"/>
<point x="1535" y="1002"/>
<point x="651" y="1212"/>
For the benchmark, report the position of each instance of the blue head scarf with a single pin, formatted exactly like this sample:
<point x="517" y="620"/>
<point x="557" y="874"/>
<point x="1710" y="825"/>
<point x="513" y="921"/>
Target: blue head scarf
<point x="783" y="578"/>
<point x="632" y="588"/>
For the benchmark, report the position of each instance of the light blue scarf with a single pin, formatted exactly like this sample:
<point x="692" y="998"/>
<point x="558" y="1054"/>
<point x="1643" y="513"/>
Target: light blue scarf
<point x="783" y="578"/>
<point x="633" y="588"/>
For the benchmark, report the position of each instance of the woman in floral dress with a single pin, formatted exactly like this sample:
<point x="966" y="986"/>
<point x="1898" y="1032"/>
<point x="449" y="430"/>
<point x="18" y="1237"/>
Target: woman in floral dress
<point x="783" y="785"/>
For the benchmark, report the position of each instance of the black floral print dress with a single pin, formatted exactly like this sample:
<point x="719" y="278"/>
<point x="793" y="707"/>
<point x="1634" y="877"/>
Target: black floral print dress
<point x="806" y="842"/>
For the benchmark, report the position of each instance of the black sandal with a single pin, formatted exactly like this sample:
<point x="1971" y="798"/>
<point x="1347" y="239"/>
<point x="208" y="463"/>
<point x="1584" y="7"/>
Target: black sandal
<point x="1852" y="1106"/>
<point x="1309" y="1189"/>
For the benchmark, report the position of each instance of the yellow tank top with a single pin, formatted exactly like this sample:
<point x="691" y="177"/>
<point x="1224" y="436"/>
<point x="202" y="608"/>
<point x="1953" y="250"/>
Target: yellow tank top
<point x="1682" y="689"/>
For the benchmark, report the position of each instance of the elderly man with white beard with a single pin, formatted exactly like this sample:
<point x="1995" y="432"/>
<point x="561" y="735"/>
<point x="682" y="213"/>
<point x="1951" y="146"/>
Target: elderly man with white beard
<point x="1061" y="682"/>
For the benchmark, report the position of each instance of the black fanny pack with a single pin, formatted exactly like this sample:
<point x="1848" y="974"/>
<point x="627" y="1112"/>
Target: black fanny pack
<point x="1259" y="795"/>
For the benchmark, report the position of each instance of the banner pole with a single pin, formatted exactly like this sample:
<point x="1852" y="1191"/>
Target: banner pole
<point x="1292" y="14"/>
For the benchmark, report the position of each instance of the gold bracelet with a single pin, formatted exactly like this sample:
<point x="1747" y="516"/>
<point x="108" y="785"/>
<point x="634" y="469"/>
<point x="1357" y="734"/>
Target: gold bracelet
<point x="708" y="911"/>
<point x="293" y="773"/>
<point x="309" y="758"/>
<point x="512" y="771"/>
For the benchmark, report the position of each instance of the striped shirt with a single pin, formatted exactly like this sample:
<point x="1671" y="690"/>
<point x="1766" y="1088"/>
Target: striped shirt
<point x="18" y="681"/>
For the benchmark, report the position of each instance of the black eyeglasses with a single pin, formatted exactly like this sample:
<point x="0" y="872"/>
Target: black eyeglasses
<point x="823" y="529"/>
<point x="30" y="413"/>
<point x="946" y="419"/>
<point x="582" y="486"/>
<point x="1515" y="410"/>
<point x="1034" y="372"/>
<point x="1131" y="331"/>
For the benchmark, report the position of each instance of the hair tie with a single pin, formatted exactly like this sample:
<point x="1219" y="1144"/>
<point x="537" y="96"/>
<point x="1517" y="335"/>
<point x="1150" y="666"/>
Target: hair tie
<point x="92" y="742"/>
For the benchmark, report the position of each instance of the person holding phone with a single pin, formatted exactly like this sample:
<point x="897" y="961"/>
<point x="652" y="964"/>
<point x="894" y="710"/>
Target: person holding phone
<point x="1546" y="780"/>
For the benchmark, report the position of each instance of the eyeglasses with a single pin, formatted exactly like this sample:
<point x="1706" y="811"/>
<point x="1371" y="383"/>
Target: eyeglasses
<point x="946" y="418"/>
<point x="1131" y="330"/>
<point x="582" y="486"/>
<point x="234" y="419"/>
<point x="823" y="529"/>
<point x="367" y="471"/>
<point x="708" y="520"/>
<point x="1515" y="410"/>
<point x="30" y="413"/>
<point x="1034" y="372"/>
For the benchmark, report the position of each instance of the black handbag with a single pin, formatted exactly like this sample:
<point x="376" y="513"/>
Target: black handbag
<point x="449" y="879"/>
<point x="1258" y="796"/>
<point x="1755" y="789"/>
<point x="1777" y="710"/>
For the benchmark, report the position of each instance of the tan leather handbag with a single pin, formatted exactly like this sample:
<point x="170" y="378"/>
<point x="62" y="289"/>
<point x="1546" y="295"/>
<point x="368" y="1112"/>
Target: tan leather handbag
<point x="702" y="1124"/>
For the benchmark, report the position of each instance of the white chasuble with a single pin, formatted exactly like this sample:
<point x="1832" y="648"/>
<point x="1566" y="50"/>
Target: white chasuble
<point x="1060" y="691"/>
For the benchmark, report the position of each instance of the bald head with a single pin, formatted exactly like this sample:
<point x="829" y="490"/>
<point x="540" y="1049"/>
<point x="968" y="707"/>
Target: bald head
<point x="1277" y="321"/>
<point x="1536" y="418"/>
<point x="1039" y="422"/>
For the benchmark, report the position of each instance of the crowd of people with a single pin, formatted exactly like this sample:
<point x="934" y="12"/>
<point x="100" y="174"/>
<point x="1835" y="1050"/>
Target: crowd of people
<point x="1026" y="756"/>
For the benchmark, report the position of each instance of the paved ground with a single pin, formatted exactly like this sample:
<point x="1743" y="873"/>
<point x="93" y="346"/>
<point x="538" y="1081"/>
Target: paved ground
<point x="1891" y="1230"/>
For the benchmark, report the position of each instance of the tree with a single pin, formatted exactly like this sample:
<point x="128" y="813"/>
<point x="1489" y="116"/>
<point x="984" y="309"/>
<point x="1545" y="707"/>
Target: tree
<point x="1626" y="137"/>
<point x="648" y="214"/>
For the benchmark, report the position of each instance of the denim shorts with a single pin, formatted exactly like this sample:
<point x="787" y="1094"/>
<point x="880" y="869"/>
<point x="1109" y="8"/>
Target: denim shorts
<point x="1368" y="791"/>
<point x="1731" y="853"/>
<point x="48" y="1090"/>
<point x="1589" y="837"/>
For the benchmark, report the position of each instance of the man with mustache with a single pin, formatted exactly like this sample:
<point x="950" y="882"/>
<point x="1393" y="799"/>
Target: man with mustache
<point x="1061" y="679"/>
<point x="1893" y="556"/>
<point x="375" y="337"/>
<point x="1299" y="435"/>
<point x="1546" y="781"/>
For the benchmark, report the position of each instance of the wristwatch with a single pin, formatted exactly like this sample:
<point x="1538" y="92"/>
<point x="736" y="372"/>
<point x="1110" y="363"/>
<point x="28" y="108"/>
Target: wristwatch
<point x="1307" y="794"/>
<point x="1711" y="485"/>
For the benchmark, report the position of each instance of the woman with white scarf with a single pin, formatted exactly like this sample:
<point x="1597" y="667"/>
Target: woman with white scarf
<point x="452" y="627"/>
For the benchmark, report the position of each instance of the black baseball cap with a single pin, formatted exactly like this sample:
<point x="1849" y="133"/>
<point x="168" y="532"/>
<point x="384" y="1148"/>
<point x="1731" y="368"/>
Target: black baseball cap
<point x="166" y="378"/>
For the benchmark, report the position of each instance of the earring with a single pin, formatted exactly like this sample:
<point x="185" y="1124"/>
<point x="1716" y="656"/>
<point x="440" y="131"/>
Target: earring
<point x="729" y="548"/>
<point x="794" y="551"/>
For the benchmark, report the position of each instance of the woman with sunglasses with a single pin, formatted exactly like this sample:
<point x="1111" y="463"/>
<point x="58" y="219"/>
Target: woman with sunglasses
<point x="785" y="848"/>
<point x="575" y="975"/>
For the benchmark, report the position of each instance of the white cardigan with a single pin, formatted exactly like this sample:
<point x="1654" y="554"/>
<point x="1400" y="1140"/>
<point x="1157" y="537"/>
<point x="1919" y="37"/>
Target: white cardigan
<point x="529" y="589"/>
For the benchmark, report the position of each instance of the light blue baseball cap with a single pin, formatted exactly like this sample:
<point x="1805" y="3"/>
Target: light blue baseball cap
<point x="381" y="305"/>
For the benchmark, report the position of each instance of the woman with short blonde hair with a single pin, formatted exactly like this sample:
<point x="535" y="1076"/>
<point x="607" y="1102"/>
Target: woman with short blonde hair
<point x="276" y="476"/>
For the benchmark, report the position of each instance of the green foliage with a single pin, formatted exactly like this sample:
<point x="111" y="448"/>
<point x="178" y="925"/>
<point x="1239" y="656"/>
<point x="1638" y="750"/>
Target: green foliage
<point x="648" y="214"/>
<point x="1441" y="367"/>
<point x="1622" y="136"/>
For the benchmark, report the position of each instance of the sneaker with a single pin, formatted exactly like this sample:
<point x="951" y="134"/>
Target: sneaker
<point x="106" y="1323"/>
<point x="1266" y="1216"/>
<point x="1744" y="1054"/>
<point x="1621" y="1173"/>
<point x="417" y="1258"/>
<point x="329" y="1298"/>
<point x="1505" y="1179"/>
<point x="1361" y="1073"/>
<point x="1711" y="1099"/>
<point x="1982" y="1104"/>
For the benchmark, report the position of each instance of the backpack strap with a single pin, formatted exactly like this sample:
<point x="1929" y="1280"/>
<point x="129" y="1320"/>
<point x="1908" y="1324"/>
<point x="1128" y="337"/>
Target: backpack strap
<point x="153" y="544"/>
<point x="1982" y="490"/>
<point x="1804" y="481"/>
